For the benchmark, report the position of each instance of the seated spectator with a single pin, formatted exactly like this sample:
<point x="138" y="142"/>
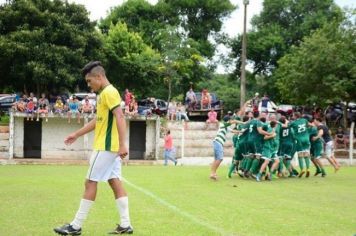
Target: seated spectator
<point x="172" y="110"/>
<point x="20" y="105"/>
<point x="341" y="138"/>
<point x="73" y="105"/>
<point x="34" y="99"/>
<point x="87" y="107"/>
<point x="212" y="118"/>
<point x="128" y="97"/>
<point x="191" y="99"/>
<point x="132" y="108"/>
<point x="181" y="112"/>
<point x="205" y="102"/>
<point x="30" y="109"/>
<point x="43" y="107"/>
<point x="59" y="106"/>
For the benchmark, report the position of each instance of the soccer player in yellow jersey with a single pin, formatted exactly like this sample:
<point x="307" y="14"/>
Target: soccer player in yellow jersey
<point x="109" y="149"/>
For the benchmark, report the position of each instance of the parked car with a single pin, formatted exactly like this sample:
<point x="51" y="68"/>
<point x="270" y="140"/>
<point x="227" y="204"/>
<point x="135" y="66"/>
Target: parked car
<point x="6" y="103"/>
<point x="152" y="106"/>
<point x="216" y="104"/>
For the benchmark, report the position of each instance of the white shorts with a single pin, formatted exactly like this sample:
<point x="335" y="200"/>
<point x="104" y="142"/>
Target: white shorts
<point x="329" y="149"/>
<point x="104" y="165"/>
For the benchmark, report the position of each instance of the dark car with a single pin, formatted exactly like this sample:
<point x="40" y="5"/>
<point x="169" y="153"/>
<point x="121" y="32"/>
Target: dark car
<point x="152" y="106"/>
<point x="6" y="103"/>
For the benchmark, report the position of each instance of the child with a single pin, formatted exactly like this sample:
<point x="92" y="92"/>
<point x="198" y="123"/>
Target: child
<point x="30" y="109"/>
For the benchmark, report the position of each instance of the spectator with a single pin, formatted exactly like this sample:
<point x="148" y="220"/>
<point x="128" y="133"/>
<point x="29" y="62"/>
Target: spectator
<point x="191" y="99"/>
<point x="43" y="107"/>
<point x="318" y="113"/>
<point x="128" y="97"/>
<point x="59" y="106"/>
<point x="73" y="105"/>
<point x="169" y="150"/>
<point x="266" y="104"/>
<point x="30" y="109"/>
<point x="205" y="102"/>
<point x="20" y="105"/>
<point x="172" y="109"/>
<point x="341" y="138"/>
<point x="34" y="100"/>
<point x="132" y="108"/>
<point x="255" y="102"/>
<point x="87" y="107"/>
<point x="181" y="112"/>
<point x="212" y="118"/>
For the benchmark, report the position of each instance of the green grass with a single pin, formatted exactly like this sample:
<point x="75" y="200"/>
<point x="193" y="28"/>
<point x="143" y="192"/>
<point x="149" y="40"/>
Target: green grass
<point x="4" y="119"/>
<point x="180" y="201"/>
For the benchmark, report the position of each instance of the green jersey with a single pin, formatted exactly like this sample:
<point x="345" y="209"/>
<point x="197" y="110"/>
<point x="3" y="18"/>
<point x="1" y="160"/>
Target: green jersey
<point x="299" y="127"/>
<point x="254" y="135"/>
<point x="286" y="135"/>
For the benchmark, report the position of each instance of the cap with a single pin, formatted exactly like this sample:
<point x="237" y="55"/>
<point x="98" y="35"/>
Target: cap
<point x="226" y="118"/>
<point x="88" y="67"/>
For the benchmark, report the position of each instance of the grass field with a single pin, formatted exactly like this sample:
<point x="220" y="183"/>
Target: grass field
<point x="179" y="201"/>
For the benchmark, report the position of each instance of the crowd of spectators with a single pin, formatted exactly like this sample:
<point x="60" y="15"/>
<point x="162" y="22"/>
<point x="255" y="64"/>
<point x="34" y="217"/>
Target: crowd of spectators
<point x="35" y="108"/>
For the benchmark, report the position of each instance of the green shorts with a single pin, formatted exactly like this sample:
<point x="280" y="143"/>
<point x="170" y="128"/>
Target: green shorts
<point x="286" y="150"/>
<point x="237" y="154"/>
<point x="316" y="150"/>
<point x="243" y="148"/>
<point x="254" y="147"/>
<point x="268" y="154"/>
<point x="303" y="145"/>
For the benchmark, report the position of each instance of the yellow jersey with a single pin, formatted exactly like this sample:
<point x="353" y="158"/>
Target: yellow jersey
<point x="106" y="134"/>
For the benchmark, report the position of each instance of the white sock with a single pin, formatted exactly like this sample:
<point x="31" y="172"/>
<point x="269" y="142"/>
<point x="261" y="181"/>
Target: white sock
<point x="82" y="213"/>
<point x="122" y="204"/>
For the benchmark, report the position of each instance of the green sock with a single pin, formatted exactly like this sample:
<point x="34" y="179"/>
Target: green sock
<point x="243" y="164"/>
<point x="307" y="162"/>
<point x="301" y="163"/>
<point x="280" y="166"/>
<point x="254" y="166"/>
<point x="318" y="169"/>
<point x="287" y="164"/>
<point x="248" y="163"/>
<point x="323" y="171"/>
<point x="231" y="169"/>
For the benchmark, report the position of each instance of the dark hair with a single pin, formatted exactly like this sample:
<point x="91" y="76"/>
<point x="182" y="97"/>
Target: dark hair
<point x="256" y="114"/>
<point x="245" y="118"/>
<point x="88" y="67"/>
<point x="319" y="119"/>
<point x="273" y="123"/>
<point x="297" y="114"/>
<point x="168" y="131"/>
<point x="282" y="119"/>
<point x="263" y="119"/>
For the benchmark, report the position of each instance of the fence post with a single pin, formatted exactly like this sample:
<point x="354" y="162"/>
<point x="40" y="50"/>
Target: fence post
<point x="11" y="136"/>
<point x="351" y="143"/>
<point x="182" y="141"/>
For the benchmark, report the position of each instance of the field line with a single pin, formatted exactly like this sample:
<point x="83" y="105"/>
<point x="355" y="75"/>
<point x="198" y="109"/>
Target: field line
<point x="177" y="210"/>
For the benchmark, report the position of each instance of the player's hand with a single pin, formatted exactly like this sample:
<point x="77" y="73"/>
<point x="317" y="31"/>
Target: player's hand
<point x="123" y="151"/>
<point x="70" y="139"/>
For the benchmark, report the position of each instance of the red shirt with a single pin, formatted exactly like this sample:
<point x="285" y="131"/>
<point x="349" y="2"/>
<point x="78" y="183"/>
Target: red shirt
<point x="128" y="97"/>
<point x="168" y="142"/>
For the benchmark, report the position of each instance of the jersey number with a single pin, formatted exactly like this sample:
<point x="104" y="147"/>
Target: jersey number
<point x="301" y="128"/>
<point x="285" y="132"/>
<point x="251" y="128"/>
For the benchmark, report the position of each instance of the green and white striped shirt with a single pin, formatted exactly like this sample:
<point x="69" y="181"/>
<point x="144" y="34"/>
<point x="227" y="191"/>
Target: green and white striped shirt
<point x="224" y="128"/>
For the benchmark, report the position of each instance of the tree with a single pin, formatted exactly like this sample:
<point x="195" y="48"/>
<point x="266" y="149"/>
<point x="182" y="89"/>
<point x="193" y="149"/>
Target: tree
<point x="281" y="25"/>
<point x="199" y="19"/>
<point x="44" y="44"/>
<point x="130" y="62"/>
<point x="322" y="68"/>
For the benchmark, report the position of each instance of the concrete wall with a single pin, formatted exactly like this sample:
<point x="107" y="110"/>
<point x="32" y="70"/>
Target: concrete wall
<point x="4" y="145"/>
<point x="57" y="128"/>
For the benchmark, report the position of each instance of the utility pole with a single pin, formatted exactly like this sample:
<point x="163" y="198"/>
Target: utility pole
<point x="243" y="59"/>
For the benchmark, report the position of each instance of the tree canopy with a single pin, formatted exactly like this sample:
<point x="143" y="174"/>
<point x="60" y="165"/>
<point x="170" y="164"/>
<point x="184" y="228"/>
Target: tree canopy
<point x="44" y="44"/>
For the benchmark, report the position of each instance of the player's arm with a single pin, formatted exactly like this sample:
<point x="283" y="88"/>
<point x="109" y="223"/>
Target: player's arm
<point x="320" y="134"/>
<point x="270" y="136"/>
<point x="261" y="131"/>
<point x="86" y="129"/>
<point x="121" y="128"/>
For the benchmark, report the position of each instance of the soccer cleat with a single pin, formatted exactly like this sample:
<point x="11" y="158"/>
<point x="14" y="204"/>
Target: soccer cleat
<point x="122" y="230"/>
<point x="67" y="229"/>
<point x="253" y="175"/>
<point x="240" y="173"/>
<point x="258" y="177"/>
<point x="247" y="174"/>
<point x="301" y="174"/>
<point x="317" y="173"/>
<point x="307" y="175"/>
